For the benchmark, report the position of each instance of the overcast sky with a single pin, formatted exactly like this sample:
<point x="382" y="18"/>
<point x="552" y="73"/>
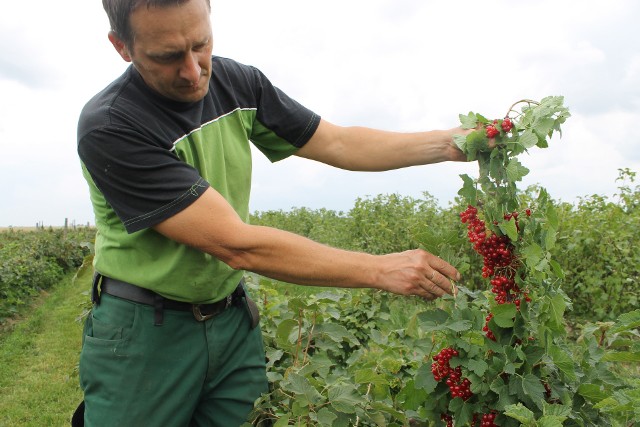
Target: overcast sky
<point x="403" y="65"/>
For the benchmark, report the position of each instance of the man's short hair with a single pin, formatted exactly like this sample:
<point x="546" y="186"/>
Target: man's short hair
<point x="119" y="13"/>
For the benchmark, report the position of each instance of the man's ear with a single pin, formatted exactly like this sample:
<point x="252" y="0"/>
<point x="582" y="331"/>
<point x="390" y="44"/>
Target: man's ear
<point x="120" y="46"/>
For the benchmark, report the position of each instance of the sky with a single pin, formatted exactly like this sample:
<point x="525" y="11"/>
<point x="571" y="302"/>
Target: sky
<point x="402" y="65"/>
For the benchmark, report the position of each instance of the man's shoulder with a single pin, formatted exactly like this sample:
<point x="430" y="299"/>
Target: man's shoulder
<point x="225" y="62"/>
<point x="227" y="69"/>
<point x="96" y="111"/>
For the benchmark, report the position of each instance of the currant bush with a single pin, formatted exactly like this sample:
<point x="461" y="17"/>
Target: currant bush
<point x="485" y="381"/>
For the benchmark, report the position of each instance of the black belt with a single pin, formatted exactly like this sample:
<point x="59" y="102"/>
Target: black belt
<point x="130" y="292"/>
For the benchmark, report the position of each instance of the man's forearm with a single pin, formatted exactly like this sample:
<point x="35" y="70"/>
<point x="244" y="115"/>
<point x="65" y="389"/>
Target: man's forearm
<point x="292" y="258"/>
<point x="366" y="149"/>
<point x="285" y="256"/>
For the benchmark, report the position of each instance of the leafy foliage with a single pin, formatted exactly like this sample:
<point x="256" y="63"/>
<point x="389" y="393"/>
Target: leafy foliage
<point x="596" y="249"/>
<point x="36" y="260"/>
<point x="346" y="358"/>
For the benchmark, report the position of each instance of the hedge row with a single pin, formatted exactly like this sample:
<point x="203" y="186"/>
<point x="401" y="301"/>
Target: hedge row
<point x="32" y="261"/>
<point x="597" y="242"/>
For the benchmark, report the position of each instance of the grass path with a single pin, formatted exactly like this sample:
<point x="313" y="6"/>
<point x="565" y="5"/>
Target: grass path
<point x="39" y="357"/>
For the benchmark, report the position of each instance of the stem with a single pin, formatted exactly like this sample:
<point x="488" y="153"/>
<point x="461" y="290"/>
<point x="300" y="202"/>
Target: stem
<point x="299" y="343"/>
<point x="527" y="101"/>
<point x="366" y="395"/>
<point x="602" y="336"/>
<point x="306" y="350"/>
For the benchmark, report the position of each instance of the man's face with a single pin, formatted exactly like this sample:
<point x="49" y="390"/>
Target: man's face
<point x="172" y="49"/>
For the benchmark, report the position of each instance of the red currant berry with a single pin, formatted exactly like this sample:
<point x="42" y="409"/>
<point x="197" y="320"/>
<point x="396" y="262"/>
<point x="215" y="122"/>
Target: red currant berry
<point x="492" y="132"/>
<point x="507" y="125"/>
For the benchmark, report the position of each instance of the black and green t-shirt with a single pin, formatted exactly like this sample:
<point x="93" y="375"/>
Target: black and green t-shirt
<point x="146" y="158"/>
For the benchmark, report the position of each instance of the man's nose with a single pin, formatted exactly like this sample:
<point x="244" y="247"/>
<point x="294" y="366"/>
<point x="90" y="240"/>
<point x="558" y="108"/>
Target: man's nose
<point x="190" y="69"/>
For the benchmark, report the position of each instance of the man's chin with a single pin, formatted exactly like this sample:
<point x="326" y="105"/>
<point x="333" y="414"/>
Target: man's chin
<point x="188" y="94"/>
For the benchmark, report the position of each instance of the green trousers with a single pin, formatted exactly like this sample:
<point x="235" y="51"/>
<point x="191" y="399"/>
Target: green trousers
<point x="182" y="373"/>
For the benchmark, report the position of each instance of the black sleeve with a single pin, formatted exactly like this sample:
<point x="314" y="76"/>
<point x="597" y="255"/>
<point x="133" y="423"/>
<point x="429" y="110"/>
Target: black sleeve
<point x="282" y="114"/>
<point x="144" y="183"/>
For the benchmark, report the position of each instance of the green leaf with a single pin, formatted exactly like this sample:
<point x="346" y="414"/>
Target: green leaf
<point x="557" y="410"/>
<point x="479" y="367"/>
<point x="469" y="121"/>
<point x="462" y="411"/>
<point x="521" y="413"/>
<point x="475" y="143"/>
<point x="563" y="361"/>
<point x="550" y="421"/>
<point x="505" y="398"/>
<point x="369" y="376"/>
<point x="433" y="320"/>
<point x="461" y="142"/>
<point x="459" y="326"/>
<point x="550" y="238"/>
<point x="344" y="398"/>
<point x="533" y="354"/>
<point x="337" y="333"/>
<point x="557" y="269"/>
<point x="424" y="378"/>
<point x="593" y="392"/>
<point x="468" y="191"/>
<point x="552" y="216"/>
<point x="556" y="311"/>
<point x="273" y="355"/>
<point x="532" y="254"/>
<point x="284" y="332"/>
<point x="325" y="417"/>
<point x="533" y="387"/>
<point x="527" y="139"/>
<point x="504" y="314"/>
<point x="621" y="356"/>
<point x="282" y="422"/>
<point x="329" y="296"/>
<point x="301" y="386"/>
<point x="411" y="397"/>
<point x="515" y="170"/>
<point x="627" y="321"/>
<point x="509" y="228"/>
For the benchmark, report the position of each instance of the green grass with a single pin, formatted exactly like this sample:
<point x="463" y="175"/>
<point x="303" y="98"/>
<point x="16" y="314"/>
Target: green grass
<point x="39" y="357"/>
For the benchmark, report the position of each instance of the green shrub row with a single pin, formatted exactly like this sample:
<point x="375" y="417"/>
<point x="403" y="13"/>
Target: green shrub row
<point x="596" y="240"/>
<point x="32" y="261"/>
<point x="596" y="245"/>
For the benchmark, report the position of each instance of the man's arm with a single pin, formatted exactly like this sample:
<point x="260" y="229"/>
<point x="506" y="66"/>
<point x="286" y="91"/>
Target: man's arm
<point x="210" y="224"/>
<point x="365" y="149"/>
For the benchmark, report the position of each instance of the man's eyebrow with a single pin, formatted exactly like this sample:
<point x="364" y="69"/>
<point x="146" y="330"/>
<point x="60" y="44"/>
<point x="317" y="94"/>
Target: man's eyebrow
<point x="166" y="53"/>
<point x="169" y="53"/>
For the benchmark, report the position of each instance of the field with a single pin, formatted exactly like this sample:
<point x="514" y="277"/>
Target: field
<point x="347" y="358"/>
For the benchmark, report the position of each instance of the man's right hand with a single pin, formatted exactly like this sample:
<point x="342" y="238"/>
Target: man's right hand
<point x="417" y="272"/>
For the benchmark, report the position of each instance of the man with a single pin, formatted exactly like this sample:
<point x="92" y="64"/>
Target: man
<point x="171" y="340"/>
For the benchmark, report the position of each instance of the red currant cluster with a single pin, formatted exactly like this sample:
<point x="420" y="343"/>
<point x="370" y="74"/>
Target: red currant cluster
<point x="498" y="257"/>
<point x="506" y="124"/>
<point x="486" y="329"/>
<point x="447" y="419"/>
<point x="492" y="131"/>
<point x="458" y="386"/>
<point x="440" y="368"/>
<point x="495" y="250"/>
<point x="505" y="289"/>
<point x="488" y="420"/>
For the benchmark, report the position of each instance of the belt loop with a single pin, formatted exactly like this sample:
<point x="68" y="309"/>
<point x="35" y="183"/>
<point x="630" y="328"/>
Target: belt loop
<point x="95" y="288"/>
<point x="158" y="311"/>
<point x="252" y="308"/>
